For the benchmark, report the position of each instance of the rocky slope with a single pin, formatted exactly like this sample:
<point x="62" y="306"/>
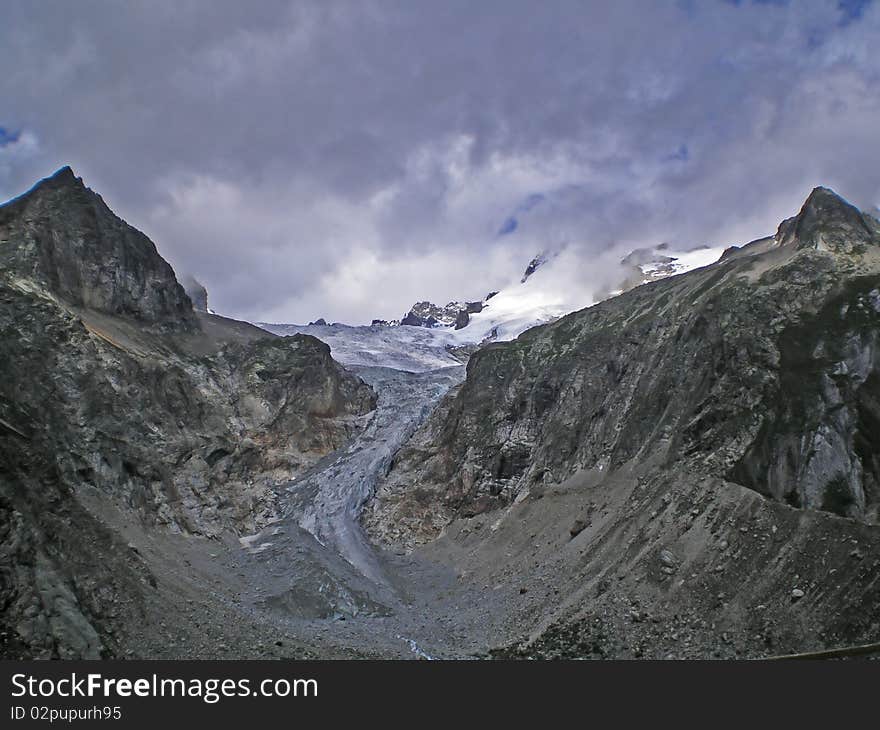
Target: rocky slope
<point x="761" y="369"/>
<point x="664" y="413"/>
<point x="114" y="391"/>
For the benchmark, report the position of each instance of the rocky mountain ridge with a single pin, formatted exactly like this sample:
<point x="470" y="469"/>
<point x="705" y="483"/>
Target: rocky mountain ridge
<point x="116" y="392"/>
<point x="454" y="314"/>
<point x="689" y="465"/>
<point x="693" y="369"/>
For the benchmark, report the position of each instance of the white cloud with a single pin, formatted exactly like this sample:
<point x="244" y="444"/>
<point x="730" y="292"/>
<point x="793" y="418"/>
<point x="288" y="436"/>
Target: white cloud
<point x="12" y="156"/>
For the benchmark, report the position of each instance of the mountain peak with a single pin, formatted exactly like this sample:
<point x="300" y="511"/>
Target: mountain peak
<point x="826" y="222"/>
<point x="825" y="199"/>
<point x="63" y="177"/>
<point x="63" y="237"/>
<point x="63" y="173"/>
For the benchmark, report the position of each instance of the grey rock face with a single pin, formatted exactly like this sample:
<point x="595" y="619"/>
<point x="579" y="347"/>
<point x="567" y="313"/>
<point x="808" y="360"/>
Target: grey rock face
<point x="454" y="314"/>
<point x="463" y="318"/>
<point x="197" y="293"/>
<point x="63" y="236"/>
<point x="762" y="369"/>
<point x="826" y="222"/>
<point x="818" y="446"/>
<point x="426" y="314"/>
<point x="533" y="266"/>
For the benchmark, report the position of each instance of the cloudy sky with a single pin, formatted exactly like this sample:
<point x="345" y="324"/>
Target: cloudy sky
<point x="344" y="159"/>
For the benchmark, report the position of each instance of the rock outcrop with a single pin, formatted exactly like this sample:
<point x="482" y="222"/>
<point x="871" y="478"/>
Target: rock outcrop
<point x="536" y="263"/>
<point x="196" y="292"/>
<point x="115" y="395"/>
<point x="454" y="314"/>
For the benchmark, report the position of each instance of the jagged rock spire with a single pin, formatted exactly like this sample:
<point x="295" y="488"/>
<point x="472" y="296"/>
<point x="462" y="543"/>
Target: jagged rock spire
<point x="62" y="176"/>
<point x="827" y="222"/>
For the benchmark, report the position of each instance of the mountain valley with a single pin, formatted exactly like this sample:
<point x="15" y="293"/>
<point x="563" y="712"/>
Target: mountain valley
<point x="688" y="468"/>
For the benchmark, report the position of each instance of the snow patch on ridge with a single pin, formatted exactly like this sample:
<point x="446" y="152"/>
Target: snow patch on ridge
<point x="416" y="349"/>
<point x="554" y="287"/>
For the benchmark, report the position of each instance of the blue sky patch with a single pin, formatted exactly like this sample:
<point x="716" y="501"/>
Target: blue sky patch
<point x="511" y="224"/>
<point x="8" y="136"/>
<point x="739" y="3"/>
<point x="508" y="227"/>
<point x="852" y="10"/>
<point x="682" y="154"/>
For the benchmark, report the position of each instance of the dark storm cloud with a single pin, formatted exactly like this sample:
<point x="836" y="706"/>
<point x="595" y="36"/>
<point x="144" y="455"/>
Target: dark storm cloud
<point x="343" y="159"/>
